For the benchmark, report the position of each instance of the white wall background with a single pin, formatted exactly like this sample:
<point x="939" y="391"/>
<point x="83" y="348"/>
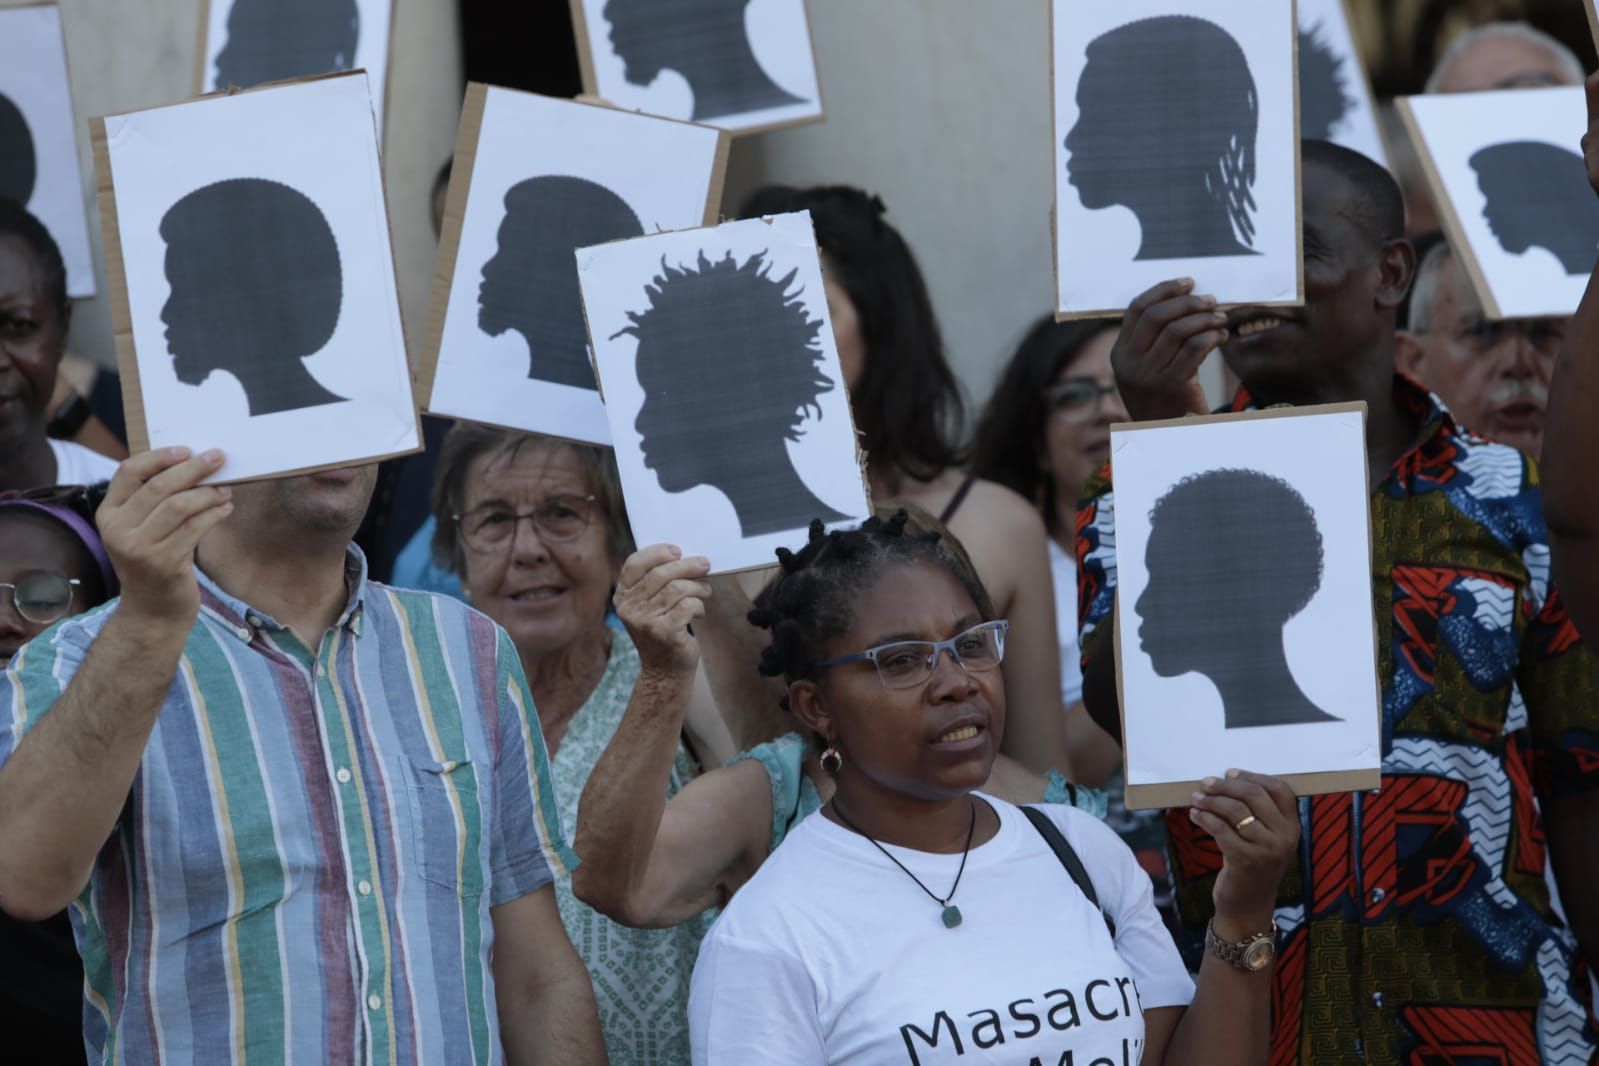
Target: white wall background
<point x="129" y="54"/>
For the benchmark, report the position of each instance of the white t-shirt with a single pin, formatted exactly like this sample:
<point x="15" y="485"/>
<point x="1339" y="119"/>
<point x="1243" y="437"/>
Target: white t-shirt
<point x="1063" y="568"/>
<point x="77" y="465"/>
<point x="831" y="954"/>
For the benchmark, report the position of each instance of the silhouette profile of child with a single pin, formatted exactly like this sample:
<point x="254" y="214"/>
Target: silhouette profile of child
<point x="270" y="40"/>
<point x="703" y="40"/>
<point x="531" y="284"/>
<point x="256" y="289"/>
<point x="1538" y="197"/>
<point x="19" y="166"/>
<point x="1233" y="555"/>
<point x="728" y="359"/>
<point x="1167" y="126"/>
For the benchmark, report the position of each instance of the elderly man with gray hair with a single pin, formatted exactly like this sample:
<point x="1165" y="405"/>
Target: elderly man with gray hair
<point x="1493" y="375"/>
<point x="1504" y="55"/>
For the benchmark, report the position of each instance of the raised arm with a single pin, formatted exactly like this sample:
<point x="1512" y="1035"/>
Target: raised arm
<point x="65" y="784"/>
<point x="1571" y="434"/>
<point x="646" y="862"/>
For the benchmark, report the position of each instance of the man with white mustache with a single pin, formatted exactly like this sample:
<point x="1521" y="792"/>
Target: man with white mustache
<point x="1494" y="376"/>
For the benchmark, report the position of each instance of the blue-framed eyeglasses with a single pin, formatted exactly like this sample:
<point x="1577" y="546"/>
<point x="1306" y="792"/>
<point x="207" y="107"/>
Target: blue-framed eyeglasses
<point x="908" y="663"/>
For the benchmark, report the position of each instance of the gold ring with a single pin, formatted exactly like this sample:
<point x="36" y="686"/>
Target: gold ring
<point x="1248" y="820"/>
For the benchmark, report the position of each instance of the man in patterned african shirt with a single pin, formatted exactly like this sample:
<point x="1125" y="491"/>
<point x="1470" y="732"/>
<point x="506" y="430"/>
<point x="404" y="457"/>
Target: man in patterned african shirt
<point x="1417" y="927"/>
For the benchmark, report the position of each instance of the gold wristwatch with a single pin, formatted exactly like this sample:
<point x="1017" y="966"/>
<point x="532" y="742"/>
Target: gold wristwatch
<point x="1252" y="954"/>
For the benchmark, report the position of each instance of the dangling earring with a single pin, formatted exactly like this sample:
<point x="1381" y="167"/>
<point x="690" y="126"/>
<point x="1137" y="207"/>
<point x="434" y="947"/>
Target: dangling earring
<point x="832" y="760"/>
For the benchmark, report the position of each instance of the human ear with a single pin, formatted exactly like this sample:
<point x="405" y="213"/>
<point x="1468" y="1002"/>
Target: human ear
<point x="1396" y="269"/>
<point x="807" y="703"/>
<point x="1409" y="353"/>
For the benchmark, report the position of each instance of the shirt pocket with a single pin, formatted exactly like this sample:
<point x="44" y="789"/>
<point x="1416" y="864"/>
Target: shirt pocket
<point x="446" y="824"/>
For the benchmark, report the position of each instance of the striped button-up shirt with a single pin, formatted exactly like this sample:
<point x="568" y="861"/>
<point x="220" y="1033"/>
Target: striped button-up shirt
<point x="305" y="867"/>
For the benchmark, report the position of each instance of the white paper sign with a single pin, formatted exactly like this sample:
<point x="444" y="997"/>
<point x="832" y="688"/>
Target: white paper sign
<point x="731" y="424"/>
<point x="737" y="66"/>
<point x="1175" y="151"/>
<point x="39" y="165"/>
<point x="1507" y="172"/>
<point x="250" y="42"/>
<point x="1335" y="101"/>
<point x="255" y="250"/>
<point x="548" y="177"/>
<point x="1244" y="597"/>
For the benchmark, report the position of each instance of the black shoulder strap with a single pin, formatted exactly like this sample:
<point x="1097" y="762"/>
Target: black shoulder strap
<point x="1068" y="858"/>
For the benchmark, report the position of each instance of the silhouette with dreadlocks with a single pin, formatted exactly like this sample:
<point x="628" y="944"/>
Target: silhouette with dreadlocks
<point x="1538" y="196"/>
<point x="1233" y="555"/>
<point x="1324" y="100"/>
<point x="729" y="361"/>
<point x="270" y="40"/>
<point x="256" y="289"/>
<point x="1167" y="125"/>
<point x="707" y="42"/>
<point x="531" y="284"/>
<point x="19" y="167"/>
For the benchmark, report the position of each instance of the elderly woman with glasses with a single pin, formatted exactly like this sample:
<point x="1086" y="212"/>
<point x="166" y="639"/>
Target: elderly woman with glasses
<point x="52" y="565"/>
<point x="536" y="530"/>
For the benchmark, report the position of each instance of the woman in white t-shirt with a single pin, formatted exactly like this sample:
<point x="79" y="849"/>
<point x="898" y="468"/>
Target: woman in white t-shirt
<point x="913" y="920"/>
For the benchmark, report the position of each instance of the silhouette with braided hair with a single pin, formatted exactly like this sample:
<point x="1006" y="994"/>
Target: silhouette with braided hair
<point x="531" y="284"/>
<point x="257" y="288"/>
<point x="1233" y="555"/>
<point x="1538" y="197"/>
<point x="19" y="165"/>
<point x="1324" y="100"/>
<point x="706" y="41"/>
<point x="730" y="362"/>
<point x="1168" y="115"/>
<point x="270" y="40"/>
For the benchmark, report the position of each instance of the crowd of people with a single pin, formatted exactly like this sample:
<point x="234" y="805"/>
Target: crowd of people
<point x="432" y="763"/>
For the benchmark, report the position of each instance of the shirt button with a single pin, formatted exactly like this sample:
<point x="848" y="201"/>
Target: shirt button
<point x="365" y="888"/>
<point x="375" y="1002"/>
<point x="255" y="620"/>
<point x="1378" y="895"/>
<point x="343" y="775"/>
<point x="245" y="634"/>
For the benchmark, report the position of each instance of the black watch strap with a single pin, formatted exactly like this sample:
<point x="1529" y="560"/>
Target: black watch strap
<point x="69" y="418"/>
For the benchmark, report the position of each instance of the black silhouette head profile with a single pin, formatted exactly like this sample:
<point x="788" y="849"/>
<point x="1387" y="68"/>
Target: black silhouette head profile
<point x="1538" y="197"/>
<point x="729" y="361"/>
<point x="270" y="40"/>
<point x="1167" y="127"/>
<point x="1233" y="555"/>
<point x="257" y="287"/>
<point x="531" y="283"/>
<point x="705" y="41"/>
<point x="1324" y="100"/>
<point x="19" y="164"/>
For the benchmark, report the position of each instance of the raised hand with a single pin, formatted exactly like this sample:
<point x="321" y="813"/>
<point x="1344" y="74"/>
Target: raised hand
<point x="658" y="596"/>
<point x="154" y="515"/>
<point x="1255" y="820"/>
<point x="1166" y="334"/>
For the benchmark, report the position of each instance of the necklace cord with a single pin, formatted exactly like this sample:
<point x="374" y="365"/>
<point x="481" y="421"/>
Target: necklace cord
<point x="967" y="850"/>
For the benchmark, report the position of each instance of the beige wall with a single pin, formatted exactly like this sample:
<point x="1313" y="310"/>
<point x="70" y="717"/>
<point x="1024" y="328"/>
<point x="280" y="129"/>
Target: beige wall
<point x="130" y="54"/>
<point x="942" y="108"/>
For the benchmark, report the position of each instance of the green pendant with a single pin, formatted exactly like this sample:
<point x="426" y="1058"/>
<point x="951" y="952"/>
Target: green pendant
<point x="952" y="916"/>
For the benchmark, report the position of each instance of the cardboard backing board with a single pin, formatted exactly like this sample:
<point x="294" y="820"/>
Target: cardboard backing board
<point x="385" y="88"/>
<point x="1593" y="20"/>
<point x="1179" y="793"/>
<point x="381" y="401"/>
<point x="616" y="154"/>
<point x="1116" y="234"/>
<point x="595" y="59"/>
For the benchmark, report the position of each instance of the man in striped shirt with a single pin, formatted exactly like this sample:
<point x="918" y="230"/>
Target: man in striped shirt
<point x="299" y="817"/>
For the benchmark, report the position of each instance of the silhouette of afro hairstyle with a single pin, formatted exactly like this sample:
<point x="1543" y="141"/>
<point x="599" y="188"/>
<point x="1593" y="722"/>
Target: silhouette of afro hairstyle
<point x="1231" y="521"/>
<point x="19" y="166"/>
<point x="270" y="40"/>
<point x="253" y="254"/>
<point x="1213" y="120"/>
<point x="814" y="596"/>
<point x="1324" y="99"/>
<point x="735" y="331"/>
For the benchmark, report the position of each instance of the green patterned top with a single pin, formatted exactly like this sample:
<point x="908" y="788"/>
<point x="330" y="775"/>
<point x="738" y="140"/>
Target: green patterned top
<point x="640" y="976"/>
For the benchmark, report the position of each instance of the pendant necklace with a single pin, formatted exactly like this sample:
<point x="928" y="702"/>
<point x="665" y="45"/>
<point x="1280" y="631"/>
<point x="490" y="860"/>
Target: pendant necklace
<point x="951" y="913"/>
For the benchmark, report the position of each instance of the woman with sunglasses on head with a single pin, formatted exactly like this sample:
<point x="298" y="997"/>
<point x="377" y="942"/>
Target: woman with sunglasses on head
<point x="52" y="566"/>
<point x="916" y="920"/>
<point x="536" y="530"/>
